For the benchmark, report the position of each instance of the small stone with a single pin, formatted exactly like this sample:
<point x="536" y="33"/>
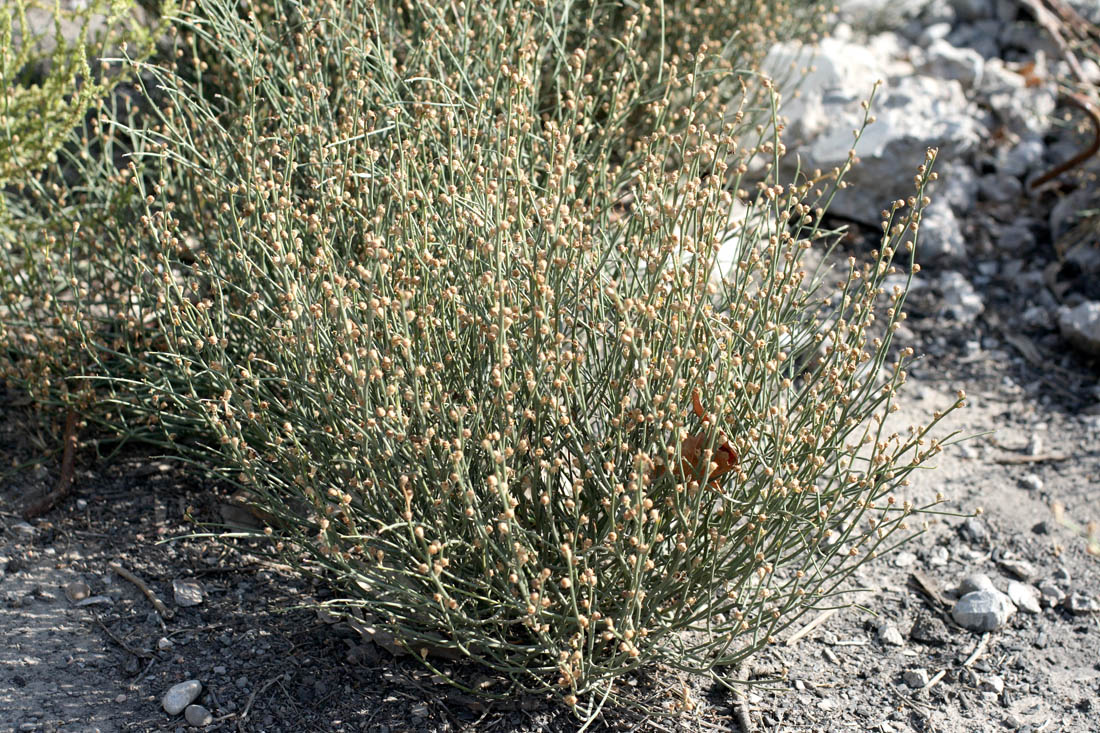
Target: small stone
<point x="983" y="610"/>
<point x="186" y="592"/>
<point x="934" y="32"/>
<point x="1031" y="481"/>
<point x="164" y="643"/>
<point x="994" y="683"/>
<point x="198" y="716"/>
<point x="220" y="670"/>
<point x="1081" y="326"/>
<point x="917" y="677"/>
<point x="1052" y="594"/>
<point x="942" y="239"/>
<point x="25" y="530"/>
<point x="181" y="695"/>
<point x="1025" y="596"/>
<point x="77" y="591"/>
<point x="905" y="559"/>
<point x="1061" y="575"/>
<point x="961" y="302"/>
<point x="938" y="556"/>
<point x="975" y="581"/>
<point x="1021" y="569"/>
<point x="81" y="504"/>
<point x="1080" y="604"/>
<point x="827" y="703"/>
<point x="957" y="187"/>
<point x="419" y="710"/>
<point x="946" y="61"/>
<point x="889" y="634"/>
<point x="974" y="530"/>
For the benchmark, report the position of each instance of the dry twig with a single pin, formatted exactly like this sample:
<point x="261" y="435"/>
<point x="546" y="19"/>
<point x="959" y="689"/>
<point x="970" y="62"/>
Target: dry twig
<point x="252" y="698"/>
<point x="1041" y="458"/>
<point x="1079" y="101"/>
<point x="64" y="483"/>
<point x="165" y="612"/>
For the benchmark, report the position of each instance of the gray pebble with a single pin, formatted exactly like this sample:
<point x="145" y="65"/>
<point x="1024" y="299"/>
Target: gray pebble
<point x="1025" y="596"/>
<point x="1033" y="482"/>
<point x="77" y="591"/>
<point x="974" y="582"/>
<point x="1080" y="604"/>
<point x="1052" y="594"/>
<point x="889" y="634"/>
<point x="1021" y="569"/>
<point x="974" y="530"/>
<point x="24" y="529"/>
<point x="186" y="592"/>
<point x="983" y="610"/>
<point x="916" y="677"/>
<point x="198" y="716"/>
<point x="994" y="683"/>
<point x="1081" y="326"/>
<point x="180" y="696"/>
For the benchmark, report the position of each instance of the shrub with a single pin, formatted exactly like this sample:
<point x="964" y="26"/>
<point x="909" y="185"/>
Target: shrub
<point x="482" y="309"/>
<point x="57" y="172"/>
<point x="39" y="114"/>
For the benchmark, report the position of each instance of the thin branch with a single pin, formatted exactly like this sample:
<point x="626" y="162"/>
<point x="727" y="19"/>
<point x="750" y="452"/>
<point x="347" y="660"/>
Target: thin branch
<point x="65" y="481"/>
<point x="252" y="699"/>
<point x="1079" y="101"/>
<point x="165" y="612"/>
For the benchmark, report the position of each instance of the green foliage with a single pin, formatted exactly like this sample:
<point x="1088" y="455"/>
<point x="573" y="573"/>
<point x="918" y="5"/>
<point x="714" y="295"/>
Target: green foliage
<point x="57" y="172"/>
<point x="38" y="115"/>
<point x="436" y="284"/>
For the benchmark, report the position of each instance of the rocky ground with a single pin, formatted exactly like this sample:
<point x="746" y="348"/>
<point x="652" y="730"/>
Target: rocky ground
<point x="985" y="622"/>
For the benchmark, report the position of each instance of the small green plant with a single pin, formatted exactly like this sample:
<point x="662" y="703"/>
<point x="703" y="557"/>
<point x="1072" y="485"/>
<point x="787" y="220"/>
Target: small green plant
<point x="436" y="284"/>
<point x="38" y="115"/>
